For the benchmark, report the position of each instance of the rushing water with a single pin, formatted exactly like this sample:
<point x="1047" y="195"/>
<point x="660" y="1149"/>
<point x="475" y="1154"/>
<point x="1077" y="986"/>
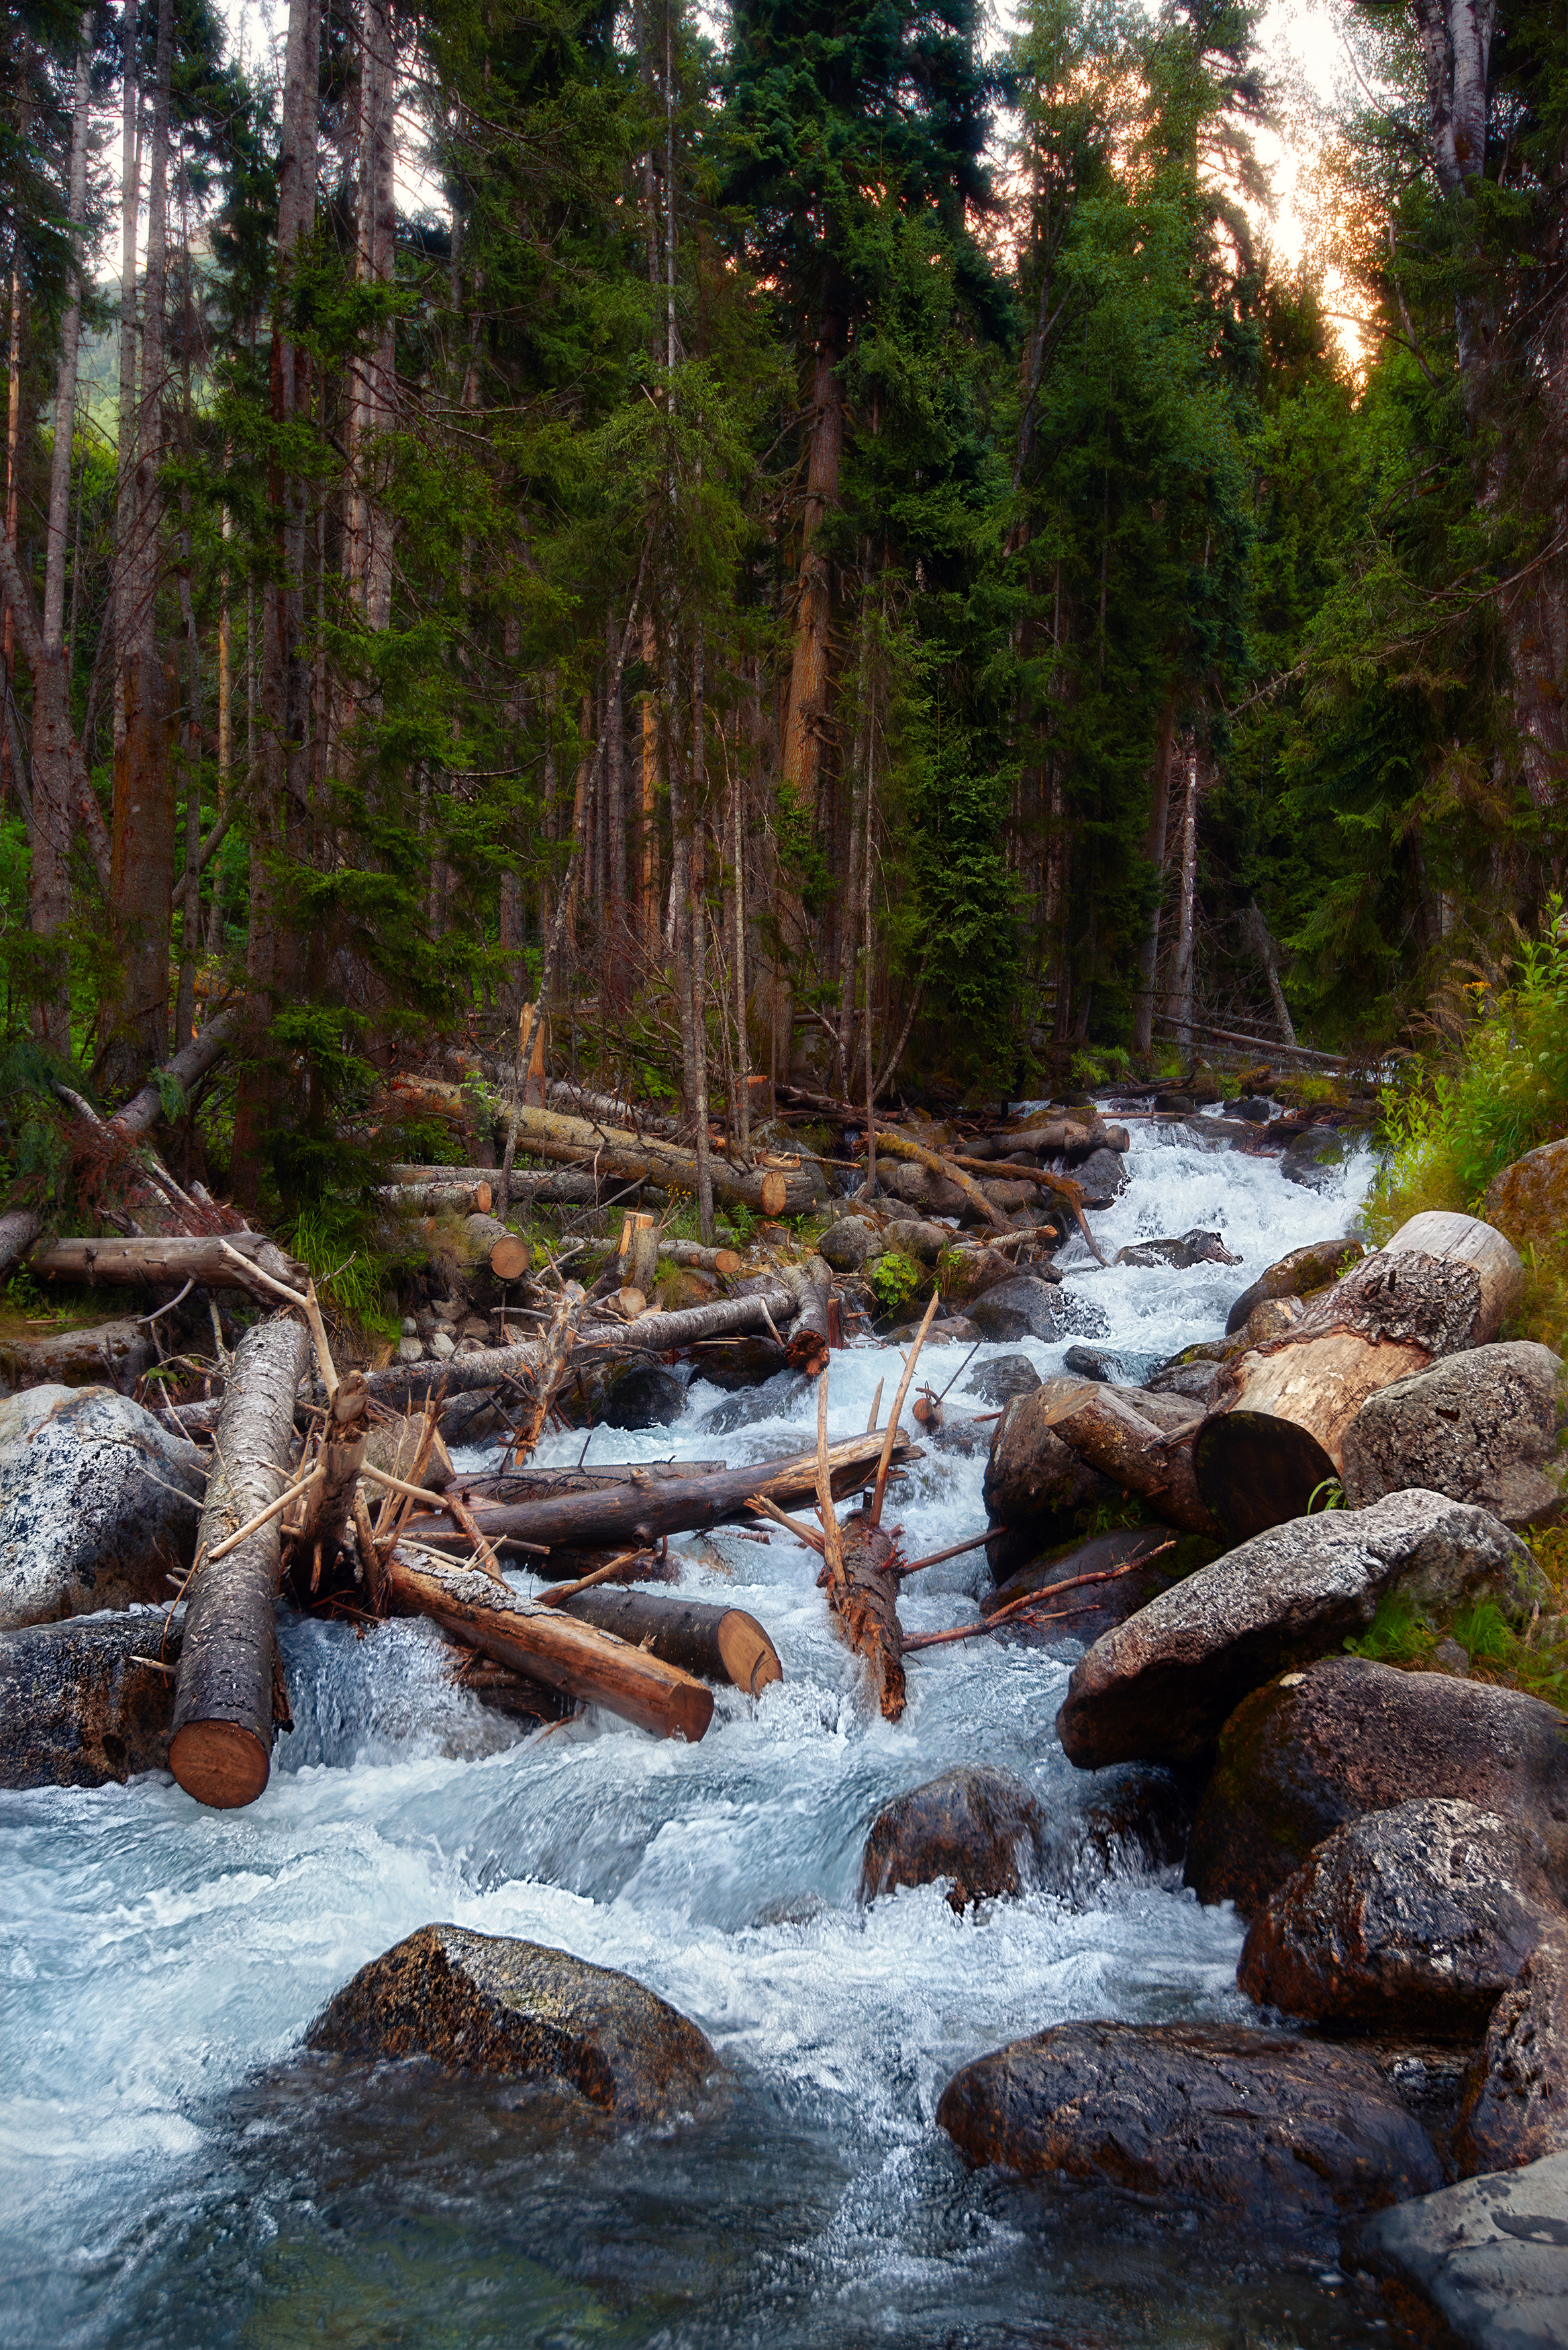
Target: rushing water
<point x="173" y="2173"/>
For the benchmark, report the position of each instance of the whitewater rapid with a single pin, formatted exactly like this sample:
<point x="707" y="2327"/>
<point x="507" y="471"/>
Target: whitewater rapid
<point x="168" y="2174"/>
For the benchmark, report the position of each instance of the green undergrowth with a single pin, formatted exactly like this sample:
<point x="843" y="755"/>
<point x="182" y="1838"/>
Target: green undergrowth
<point x="895" y="1278"/>
<point x="1534" y="1659"/>
<point x="332" y="1238"/>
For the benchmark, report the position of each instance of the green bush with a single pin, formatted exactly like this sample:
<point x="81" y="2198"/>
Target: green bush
<point x="895" y="1278"/>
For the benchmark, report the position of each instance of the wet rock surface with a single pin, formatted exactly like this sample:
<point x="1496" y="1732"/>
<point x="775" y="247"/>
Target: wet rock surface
<point x="1490" y="2256"/>
<point x="1103" y="1176"/>
<point x="645" y="1395"/>
<point x="1514" y="2107"/>
<point x="84" y="1704"/>
<point x="1296" y="1275"/>
<point x="104" y="1354"/>
<point x="515" y="2010"/>
<point x="1023" y="1307"/>
<point x="1346" y="1737"/>
<point x="1291" y="2135"/>
<point x="1091" y="1363"/>
<point x="1484" y="1427"/>
<point x="1413" y="1919"/>
<point x="1034" y="1485"/>
<point x="99" y="1504"/>
<point x="1003" y="1377"/>
<point x="977" y="1828"/>
<point x="1161" y="1688"/>
<point x="742" y="1362"/>
<point x="1192" y="1248"/>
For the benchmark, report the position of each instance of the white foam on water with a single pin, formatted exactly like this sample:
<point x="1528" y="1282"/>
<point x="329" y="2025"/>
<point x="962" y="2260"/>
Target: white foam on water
<point x="154" y="1954"/>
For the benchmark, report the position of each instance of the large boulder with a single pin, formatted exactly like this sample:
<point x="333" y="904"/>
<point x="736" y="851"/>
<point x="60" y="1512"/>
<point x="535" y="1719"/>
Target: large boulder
<point x="99" y="1504"/>
<point x="914" y="1237"/>
<point x="1491" y="2256"/>
<point x="1280" y="2134"/>
<point x="1160" y="1689"/>
<point x="1103" y="1177"/>
<point x="1413" y="1919"/>
<point x="1003" y="1377"/>
<point x="1034" y="1484"/>
<point x="1529" y="1200"/>
<point x="517" y="2011"/>
<point x="1024" y="1307"/>
<point x="644" y="1395"/>
<point x="1193" y="1248"/>
<point x="742" y="1362"/>
<point x="977" y="1829"/>
<point x="846" y="1245"/>
<point x="1485" y="1426"/>
<point x="88" y="1701"/>
<point x="921" y="1188"/>
<point x="1346" y="1738"/>
<point x="1296" y="1275"/>
<point x="1514" y="2105"/>
<point x="111" y="1353"/>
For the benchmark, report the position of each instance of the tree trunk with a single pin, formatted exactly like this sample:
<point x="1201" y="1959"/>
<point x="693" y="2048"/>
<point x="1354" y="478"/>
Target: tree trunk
<point x="543" y="1643"/>
<point x="1158" y="823"/>
<point x="230" y="1692"/>
<point x="808" y="690"/>
<point x="864" y="1602"/>
<point x="186" y="1070"/>
<point x="1178" y="1002"/>
<point x="639" y="1512"/>
<point x="323" y="1529"/>
<point x="1108" y="1432"/>
<point x="126" y="526"/>
<point x="19" y="1227"/>
<point x="1256" y="932"/>
<point x="165" y="1262"/>
<point x="713" y="1643"/>
<point x="1276" y="1434"/>
<point x="648" y="1159"/>
<point x="369" y="554"/>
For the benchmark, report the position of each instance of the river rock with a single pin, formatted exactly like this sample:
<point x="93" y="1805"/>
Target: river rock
<point x="1193" y="1248"/>
<point x="517" y="2010"/>
<point x="105" y="1353"/>
<point x="1130" y="1826"/>
<point x="1003" y="1377"/>
<point x="1413" y="1919"/>
<point x="923" y="1241"/>
<point x="1529" y="1200"/>
<point x="644" y="1395"/>
<point x="1491" y="2256"/>
<point x="742" y="1362"/>
<point x="1313" y="1159"/>
<point x="1296" y="1275"/>
<point x="1091" y="1363"/>
<point x="1034" y="1484"/>
<point x="1023" y="1307"/>
<point x="977" y="1828"/>
<point x="1514" y="2103"/>
<point x="1484" y="1427"/>
<point x="1256" y="1108"/>
<point x="846" y="1245"/>
<point x="1161" y="1688"/>
<point x="1094" y="1608"/>
<point x="1347" y="1737"/>
<point x="920" y="1188"/>
<point x="85" y="1702"/>
<point x="99" y="1504"/>
<point x="1252" y="2127"/>
<point x="1102" y="1176"/>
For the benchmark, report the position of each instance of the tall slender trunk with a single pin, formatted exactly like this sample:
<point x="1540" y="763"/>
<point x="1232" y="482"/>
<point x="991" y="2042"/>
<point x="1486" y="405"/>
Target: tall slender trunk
<point x="648" y="809"/>
<point x="1158" y="824"/>
<point x="125" y="534"/>
<point x="282" y="812"/>
<point x="13" y="466"/>
<point x="369" y="549"/>
<point x="1178" y="1002"/>
<point x="807" y="718"/>
<point x="695" y="924"/>
<point x="615" y="795"/>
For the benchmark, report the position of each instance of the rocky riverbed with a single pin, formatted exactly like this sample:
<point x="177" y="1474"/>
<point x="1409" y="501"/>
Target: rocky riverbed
<point x="186" y="2161"/>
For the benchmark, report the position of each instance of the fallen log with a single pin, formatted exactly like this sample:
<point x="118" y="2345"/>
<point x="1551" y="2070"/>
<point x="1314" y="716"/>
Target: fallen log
<point x="638" y="1256"/>
<point x="893" y="1145"/>
<point x="646" y="1158"/>
<point x="642" y="1509"/>
<point x="191" y="1063"/>
<point x="230" y="1693"/>
<point x="1061" y="1187"/>
<point x="552" y="1187"/>
<point x="540" y="1485"/>
<point x="662" y="1334"/>
<point x="864" y="1598"/>
<point x="1276" y="1432"/>
<point x="808" y="1347"/>
<point x="457" y="1198"/>
<point x="19" y="1227"/>
<point x="549" y="1646"/>
<point x="1108" y="1432"/>
<point x="714" y="1644"/>
<point x="209" y="1259"/>
<point x="724" y="1261"/>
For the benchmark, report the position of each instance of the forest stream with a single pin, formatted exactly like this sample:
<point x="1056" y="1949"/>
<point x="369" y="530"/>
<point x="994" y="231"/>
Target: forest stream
<point x="177" y="2175"/>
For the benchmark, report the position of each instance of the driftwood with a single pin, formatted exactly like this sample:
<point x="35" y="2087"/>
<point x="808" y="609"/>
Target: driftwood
<point x="1106" y="1430"/>
<point x="1282" y="1409"/>
<point x="650" y="1158"/>
<point x="715" y="1644"/>
<point x="642" y="1509"/>
<point x="216" y="1262"/>
<point x="549" y="1646"/>
<point x="230" y="1692"/>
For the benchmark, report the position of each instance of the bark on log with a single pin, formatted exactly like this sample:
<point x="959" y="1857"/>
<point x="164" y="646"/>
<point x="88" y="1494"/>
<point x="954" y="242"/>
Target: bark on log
<point x="648" y="1159"/>
<point x="556" y="1188"/>
<point x="1107" y="1431"/>
<point x="899" y="1145"/>
<point x="724" y="1261"/>
<point x="458" y="1198"/>
<point x="169" y="1263"/>
<point x="231" y="1676"/>
<point x="642" y="1509"/>
<point x="143" y="1110"/>
<point x="639" y="1251"/>
<point x="663" y="1333"/>
<point x="864" y="1601"/>
<point x="1282" y="1409"/>
<point x="546" y="1645"/>
<point x="715" y="1644"/>
<point x="545" y="1484"/>
<point x="324" y="1528"/>
<point x="19" y="1227"/>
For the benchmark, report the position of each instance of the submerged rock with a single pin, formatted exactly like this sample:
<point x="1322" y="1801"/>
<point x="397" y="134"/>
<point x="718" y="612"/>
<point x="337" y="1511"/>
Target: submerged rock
<point x="1413" y="1919"/>
<point x="1491" y="2256"/>
<point x="1003" y="1377"/>
<point x="85" y="1703"/>
<point x="517" y="2010"/>
<point x="99" y="1504"/>
<point x="1023" y="1307"/>
<point x="1484" y="1427"/>
<point x="978" y="1828"/>
<point x="1193" y="1248"/>
<point x="1281" y="2135"/>
<point x="1514" y="2104"/>
<point x="644" y="1395"/>
<point x="1161" y="1688"/>
<point x="1346" y="1737"/>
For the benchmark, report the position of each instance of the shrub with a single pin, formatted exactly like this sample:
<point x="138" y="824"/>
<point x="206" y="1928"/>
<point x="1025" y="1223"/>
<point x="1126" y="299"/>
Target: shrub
<point x="895" y="1277"/>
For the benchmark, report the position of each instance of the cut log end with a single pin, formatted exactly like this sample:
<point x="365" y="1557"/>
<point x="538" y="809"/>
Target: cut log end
<point x="510" y="1258"/>
<point x="221" y="1764"/>
<point x="774" y="1194"/>
<point x="728" y="1262"/>
<point x="1255" y="1471"/>
<point x="749" y="1656"/>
